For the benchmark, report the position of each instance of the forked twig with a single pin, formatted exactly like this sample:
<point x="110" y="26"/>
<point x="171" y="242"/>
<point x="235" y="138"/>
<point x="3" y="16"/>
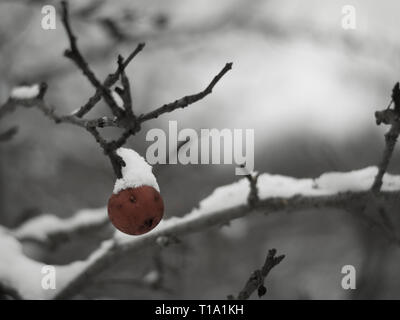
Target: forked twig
<point x="124" y="118"/>
<point x="257" y="278"/>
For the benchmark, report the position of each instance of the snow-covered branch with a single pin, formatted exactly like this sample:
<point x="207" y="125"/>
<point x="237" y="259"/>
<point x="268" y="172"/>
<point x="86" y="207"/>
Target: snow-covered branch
<point x="349" y="191"/>
<point x="277" y="193"/>
<point x="263" y="193"/>
<point x="24" y="275"/>
<point x="50" y="231"/>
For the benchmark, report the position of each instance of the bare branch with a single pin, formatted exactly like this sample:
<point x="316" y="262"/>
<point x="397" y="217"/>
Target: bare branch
<point x="74" y="54"/>
<point x="50" y="112"/>
<point x="392" y="118"/>
<point x="257" y="278"/>
<point x="110" y="80"/>
<point x="125" y="93"/>
<point x="8" y="134"/>
<point x="253" y="197"/>
<point x="7" y="107"/>
<point x="124" y="119"/>
<point x="187" y="100"/>
<point x="109" y="150"/>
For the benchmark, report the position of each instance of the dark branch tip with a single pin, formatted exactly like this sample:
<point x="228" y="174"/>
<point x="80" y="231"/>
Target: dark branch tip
<point x="261" y="291"/>
<point x="120" y="61"/>
<point x="68" y="53"/>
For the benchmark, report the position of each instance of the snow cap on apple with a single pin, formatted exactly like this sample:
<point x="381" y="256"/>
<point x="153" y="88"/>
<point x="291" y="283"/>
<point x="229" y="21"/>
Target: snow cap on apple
<point x="136" y="206"/>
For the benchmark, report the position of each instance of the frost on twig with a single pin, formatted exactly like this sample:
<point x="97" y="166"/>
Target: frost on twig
<point x="257" y="278"/>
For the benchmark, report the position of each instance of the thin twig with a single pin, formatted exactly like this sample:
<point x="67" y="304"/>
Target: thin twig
<point x="257" y="278"/>
<point x="109" y="150"/>
<point x="110" y="80"/>
<point x="125" y="92"/>
<point x="187" y="100"/>
<point x="74" y="54"/>
<point x="253" y="197"/>
<point x="392" y="118"/>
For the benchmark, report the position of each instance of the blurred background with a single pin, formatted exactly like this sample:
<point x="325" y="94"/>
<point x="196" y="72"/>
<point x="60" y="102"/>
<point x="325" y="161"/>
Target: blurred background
<point x="307" y="86"/>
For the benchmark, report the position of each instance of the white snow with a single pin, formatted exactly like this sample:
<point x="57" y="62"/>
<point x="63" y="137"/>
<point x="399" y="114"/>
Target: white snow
<point x="44" y="225"/>
<point x="75" y="111"/>
<point x="359" y="180"/>
<point x="152" y="277"/>
<point x="137" y="172"/>
<point x="117" y="98"/>
<point x="25" y="275"/>
<point x="270" y="186"/>
<point x="25" y="92"/>
<point x="276" y="186"/>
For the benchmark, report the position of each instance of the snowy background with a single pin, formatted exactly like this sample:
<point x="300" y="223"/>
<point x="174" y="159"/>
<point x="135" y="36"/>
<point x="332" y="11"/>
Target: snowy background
<point x="307" y="86"/>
